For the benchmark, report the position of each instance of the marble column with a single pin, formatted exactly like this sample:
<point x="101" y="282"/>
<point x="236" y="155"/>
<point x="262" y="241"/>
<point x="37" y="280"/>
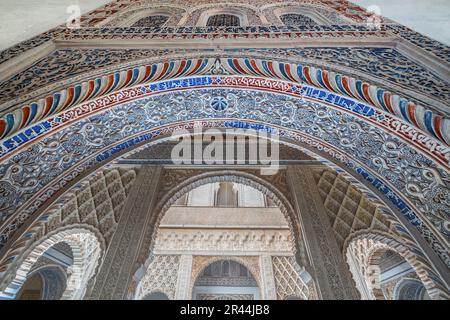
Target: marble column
<point x="118" y="265"/>
<point x="330" y="270"/>
<point x="269" y="290"/>
<point x="184" y="278"/>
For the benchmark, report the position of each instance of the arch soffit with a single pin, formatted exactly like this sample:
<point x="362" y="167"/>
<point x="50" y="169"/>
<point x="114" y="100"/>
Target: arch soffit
<point x="397" y="288"/>
<point x="204" y="11"/>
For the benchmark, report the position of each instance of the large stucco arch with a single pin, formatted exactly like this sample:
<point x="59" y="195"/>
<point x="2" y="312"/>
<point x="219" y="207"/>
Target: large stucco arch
<point x="87" y="250"/>
<point x="374" y="244"/>
<point x="114" y="100"/>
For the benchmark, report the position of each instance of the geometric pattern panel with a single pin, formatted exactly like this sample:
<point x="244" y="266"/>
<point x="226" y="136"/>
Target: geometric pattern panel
<point x="98" y="203"/>
<point x="348" y="209"/>
<point x="161" y="276"/>
<point x="287" y="278"/>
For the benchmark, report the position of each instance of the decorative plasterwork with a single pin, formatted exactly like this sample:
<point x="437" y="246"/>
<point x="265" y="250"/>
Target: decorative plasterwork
<point x="287" y="279"/>
<point x="176" y="183"/>
<point x="224" y="241"/>
<point x="381" y="67"/>
<point x="97" y="202"/>
<point x="300" y="76"/>
<point x="320" y="14"/>
<point x="128" y="17"/>
<point x="161" y="276"/>
<point x="348" y="208"/>
<point x="351" y="11"/>
<point x="294" y="114"/>
<point x="246" y="15"/>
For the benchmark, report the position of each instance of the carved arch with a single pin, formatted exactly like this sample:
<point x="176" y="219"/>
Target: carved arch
<point x="87" y="252"/>
<point x="367" y="247"/>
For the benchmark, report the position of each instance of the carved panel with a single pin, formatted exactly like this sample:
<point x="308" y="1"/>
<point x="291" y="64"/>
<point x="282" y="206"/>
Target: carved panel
<point x="161" y="276"/>
<point x="287" y="278"/>
<point x="348" y="208"/>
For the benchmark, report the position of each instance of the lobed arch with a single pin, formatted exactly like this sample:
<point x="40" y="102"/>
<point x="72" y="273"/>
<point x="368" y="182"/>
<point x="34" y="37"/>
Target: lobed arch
<point x="332" y="151"/>
<point x="370" y="245"/>
<point x="86" y="249"/>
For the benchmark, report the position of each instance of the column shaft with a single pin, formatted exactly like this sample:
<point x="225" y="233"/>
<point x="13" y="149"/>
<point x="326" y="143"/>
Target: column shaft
<point x="330" y="270"/>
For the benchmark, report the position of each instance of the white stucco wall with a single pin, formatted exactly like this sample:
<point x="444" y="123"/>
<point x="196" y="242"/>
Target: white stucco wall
<point x="429" y="17"/>
<point x="23" y="19"/>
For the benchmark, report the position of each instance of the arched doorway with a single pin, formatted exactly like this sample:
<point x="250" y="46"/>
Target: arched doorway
<point x="59" y="266"/>
<point x="299" y="131"/>
<point x="156" y="296"/>
<point x="225" y="280"/>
